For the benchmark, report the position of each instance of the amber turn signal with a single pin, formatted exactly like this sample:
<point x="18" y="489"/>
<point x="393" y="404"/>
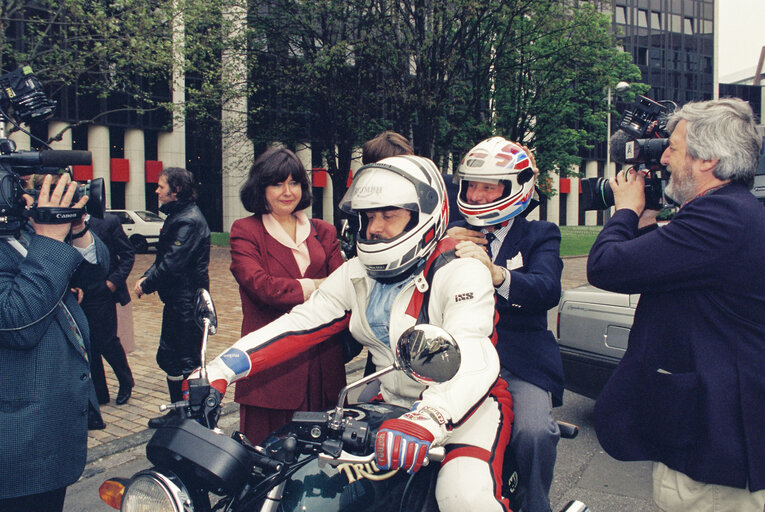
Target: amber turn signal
<point x="111" y="492"/>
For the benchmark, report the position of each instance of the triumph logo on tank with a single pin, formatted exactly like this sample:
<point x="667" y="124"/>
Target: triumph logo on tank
<point x="369" y="470"/>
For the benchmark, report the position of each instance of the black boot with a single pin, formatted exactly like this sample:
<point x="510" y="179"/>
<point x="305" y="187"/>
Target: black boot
<point x="176" y="395"/>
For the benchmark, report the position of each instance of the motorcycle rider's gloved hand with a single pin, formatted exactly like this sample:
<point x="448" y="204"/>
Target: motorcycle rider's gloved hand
<point x="218" y="384"/>
<point x="204" y="400"/>
<point x="403" y="443"/>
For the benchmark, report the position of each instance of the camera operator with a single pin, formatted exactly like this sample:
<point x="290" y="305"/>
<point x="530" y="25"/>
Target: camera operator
<point x="44" y="371"/>
<point x="688" y="393"/>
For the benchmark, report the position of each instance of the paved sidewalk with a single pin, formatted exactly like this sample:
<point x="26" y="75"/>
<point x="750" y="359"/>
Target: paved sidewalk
<point x="126" y="424"/>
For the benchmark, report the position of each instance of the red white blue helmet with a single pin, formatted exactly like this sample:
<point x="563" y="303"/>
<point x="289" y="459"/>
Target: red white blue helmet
<point x="496" y="160"/>
<point x="410" y="182"/>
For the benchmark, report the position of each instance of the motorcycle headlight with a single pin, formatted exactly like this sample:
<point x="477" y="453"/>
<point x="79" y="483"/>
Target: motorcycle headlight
<point x="152" y="491"/>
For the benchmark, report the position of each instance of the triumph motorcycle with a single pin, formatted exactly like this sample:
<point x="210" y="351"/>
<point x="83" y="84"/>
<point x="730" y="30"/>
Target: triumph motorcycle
<point x="319" y="462"/>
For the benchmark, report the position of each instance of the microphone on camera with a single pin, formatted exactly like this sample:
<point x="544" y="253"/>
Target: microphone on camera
<point x="48" y="158"/>
<point x="618" y="147"/>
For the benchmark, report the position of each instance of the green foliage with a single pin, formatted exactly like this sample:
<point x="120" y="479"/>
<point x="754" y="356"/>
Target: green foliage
<point x="99" y="47"/>
<point x="554" y="65"/>
<point x="445" y="74"/>
<point x="123" y="50"/>
<point x="334" y="73"/>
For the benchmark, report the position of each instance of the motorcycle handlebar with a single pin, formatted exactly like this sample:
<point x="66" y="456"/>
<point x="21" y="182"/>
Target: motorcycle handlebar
<point x="435" y="454"/>
<point x="266" y="463"/>
<point x="173" y="406"/>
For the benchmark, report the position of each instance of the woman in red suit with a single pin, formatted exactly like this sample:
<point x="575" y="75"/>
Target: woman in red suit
<point x="279" y="257"/>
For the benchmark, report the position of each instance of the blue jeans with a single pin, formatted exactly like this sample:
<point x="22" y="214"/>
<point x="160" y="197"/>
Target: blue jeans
<point x="534" y="440"/>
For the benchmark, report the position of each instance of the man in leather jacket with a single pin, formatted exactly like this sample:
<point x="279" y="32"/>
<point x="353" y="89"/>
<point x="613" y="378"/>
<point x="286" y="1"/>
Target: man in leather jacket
<point x="183" y="257"/>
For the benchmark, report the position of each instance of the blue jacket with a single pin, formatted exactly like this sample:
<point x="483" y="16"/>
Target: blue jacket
<point x="44" y="374"/>
<point x="525" y="345"/>
<point x="690" y="389"/>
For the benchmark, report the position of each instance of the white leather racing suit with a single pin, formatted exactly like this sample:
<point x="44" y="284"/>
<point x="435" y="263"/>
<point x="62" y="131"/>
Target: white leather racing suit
<point x="460" y="299"/>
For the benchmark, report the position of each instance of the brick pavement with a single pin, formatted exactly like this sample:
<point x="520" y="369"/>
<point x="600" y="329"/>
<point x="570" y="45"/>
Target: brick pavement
<point x="126" y="424"/>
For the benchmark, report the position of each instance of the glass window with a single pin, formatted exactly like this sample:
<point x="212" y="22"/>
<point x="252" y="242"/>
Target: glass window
<point x="620" y="14"/>
<point x="688" y="25"/>
<point x="657" y="58"/>
<point x="124" y="217"/>
<point x="707" y="65"/>
<point x="641" y="56"/>
<point x="149" y="216"/>
<point x="642" y="20"/>
<point x="675" y="22"/>
<point x="656" y="20"/>
<point x="691" y="61"/>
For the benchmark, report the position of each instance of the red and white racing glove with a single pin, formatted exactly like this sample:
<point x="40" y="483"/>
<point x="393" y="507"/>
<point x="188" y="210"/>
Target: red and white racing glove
<point x="403" y="443"/>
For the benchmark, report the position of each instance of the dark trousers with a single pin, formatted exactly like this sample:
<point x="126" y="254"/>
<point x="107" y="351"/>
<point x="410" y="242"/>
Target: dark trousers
<point x="102" y="320"/>
<point x="180" y="340"/>
<point x="51" y="501"/>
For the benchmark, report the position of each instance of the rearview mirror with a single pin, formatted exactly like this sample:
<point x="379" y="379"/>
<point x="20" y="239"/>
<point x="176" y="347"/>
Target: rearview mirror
<point x="204" y="309"/>
<point x="428" y="354"/>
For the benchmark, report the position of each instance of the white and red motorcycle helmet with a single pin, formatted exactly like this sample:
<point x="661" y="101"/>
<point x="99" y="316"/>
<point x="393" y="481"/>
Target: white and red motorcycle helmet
<point x="410" y="182"/>
<point x="496" y="160"/>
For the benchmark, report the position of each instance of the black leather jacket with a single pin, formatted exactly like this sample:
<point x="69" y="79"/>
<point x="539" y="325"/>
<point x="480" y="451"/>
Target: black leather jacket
<point x="183" y="255"/>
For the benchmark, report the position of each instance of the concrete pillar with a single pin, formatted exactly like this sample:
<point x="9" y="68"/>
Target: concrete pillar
<point x="22" y="140"/>
<point x="553" y="203"/>
<point x="59" y="129"/>
<point x="572" y="203"/>
<point x="303" y="152"/>
<point x="591" y="171"/>
<point x="328" y="198"/>
<point x="98" y="145"/>
<point x="135" y="152"/>
<point x="356" y="159"/>
<point x="237" y="153"/>
<point x="171" y="146"/>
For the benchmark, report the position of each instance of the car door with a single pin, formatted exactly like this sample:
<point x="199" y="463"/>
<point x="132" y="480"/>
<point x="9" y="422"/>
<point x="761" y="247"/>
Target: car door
<point x="128" y="224"/>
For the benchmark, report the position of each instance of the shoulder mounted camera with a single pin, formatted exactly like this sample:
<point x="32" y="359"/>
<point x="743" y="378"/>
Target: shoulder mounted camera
<point x="640" y="140"/>
<point x="22" y="100"/>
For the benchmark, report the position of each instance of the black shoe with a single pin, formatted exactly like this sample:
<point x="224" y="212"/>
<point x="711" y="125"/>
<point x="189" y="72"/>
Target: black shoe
<point x="104" y="401"/>
<point x="94" y="420"/>
<point x="162" y="421"/>
<point x="124" y="395"/>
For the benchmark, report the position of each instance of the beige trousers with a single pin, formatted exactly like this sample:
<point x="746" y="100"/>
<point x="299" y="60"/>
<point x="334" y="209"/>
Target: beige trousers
<point x="675" y="492"/>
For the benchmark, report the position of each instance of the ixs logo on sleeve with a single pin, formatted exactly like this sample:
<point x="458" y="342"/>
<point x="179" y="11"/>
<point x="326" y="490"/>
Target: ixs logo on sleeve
<point x="463" y="296"/>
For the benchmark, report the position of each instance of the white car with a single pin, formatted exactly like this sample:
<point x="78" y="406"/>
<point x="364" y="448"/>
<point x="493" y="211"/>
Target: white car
<point x="141" y="227"/>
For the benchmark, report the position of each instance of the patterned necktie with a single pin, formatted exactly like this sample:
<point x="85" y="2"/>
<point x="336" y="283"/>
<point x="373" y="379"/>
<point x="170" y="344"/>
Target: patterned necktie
<point x="489" y="239"/>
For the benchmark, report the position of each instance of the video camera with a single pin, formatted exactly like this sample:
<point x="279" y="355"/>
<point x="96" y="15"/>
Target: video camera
<point x="641" y="139"/>
<point x="22" y="100"/>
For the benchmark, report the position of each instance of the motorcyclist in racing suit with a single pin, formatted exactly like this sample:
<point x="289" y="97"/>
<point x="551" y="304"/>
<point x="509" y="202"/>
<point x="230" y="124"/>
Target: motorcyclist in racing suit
<point x="406" y="273"/>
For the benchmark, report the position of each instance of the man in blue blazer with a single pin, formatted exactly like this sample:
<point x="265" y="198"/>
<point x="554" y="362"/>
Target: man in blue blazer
<point x="689" y="392"/>
<point x="496" y="186"/>
<point x="44" y="372"/>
